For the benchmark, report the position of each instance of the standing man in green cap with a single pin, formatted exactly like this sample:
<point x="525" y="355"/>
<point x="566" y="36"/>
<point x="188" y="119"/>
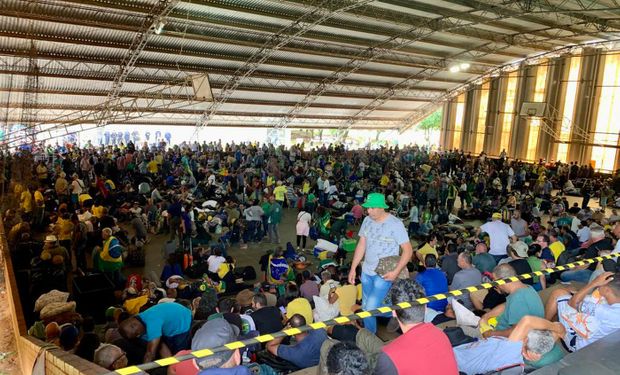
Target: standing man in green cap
<point x="381" y="235"/>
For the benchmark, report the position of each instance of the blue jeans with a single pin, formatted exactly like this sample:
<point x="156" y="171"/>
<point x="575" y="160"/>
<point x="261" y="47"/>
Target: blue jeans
<point x="253" y="231"/>
<point x="178" y="342"/>
<point x="274" y="233"/>
<point x="265" y="225"/>
<point x="582" y="276"/>
<point x="374" y="290"/>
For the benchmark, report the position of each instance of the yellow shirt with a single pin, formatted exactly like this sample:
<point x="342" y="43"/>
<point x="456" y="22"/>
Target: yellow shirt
<point x="41" y="172"/>
<point x="61" y="186"/>
<point x="38" y="198"/>
<point x="347" y="295"/>
<point x="428" y="249"/>
<point x="97" y="211"/>
<point x="223" y="270"/>
<point x="279" y="192"/>
<point x="63" y="228"/>
<point x="133" y="305"/>
<point x="557" y="248"/>
<point x="18" y="189"/>
<point x="83" y="198"/>
<point x="302" y="307"/>
<point x="385" y="180"/>
<point x="26" y="201"/>
<point x="306" y="188"/>
<point x="152" y="166"/>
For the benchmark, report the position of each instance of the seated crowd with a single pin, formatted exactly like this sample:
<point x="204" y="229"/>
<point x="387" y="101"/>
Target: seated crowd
<point x="95" y="210"/>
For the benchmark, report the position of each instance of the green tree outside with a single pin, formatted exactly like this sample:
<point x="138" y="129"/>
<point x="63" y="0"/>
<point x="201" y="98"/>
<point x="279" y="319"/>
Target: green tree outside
<point x="430" y="123"/>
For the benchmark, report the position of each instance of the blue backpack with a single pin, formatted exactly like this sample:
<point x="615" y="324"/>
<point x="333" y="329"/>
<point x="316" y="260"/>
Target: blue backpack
<point x="290" y="251"/>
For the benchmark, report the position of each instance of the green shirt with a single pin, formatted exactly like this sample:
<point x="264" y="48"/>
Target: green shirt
<point x="560" y="222"/>
<point x="549" y="358"/>
<point x="524" y="301"/>
<point x="484" y="262"/>
<point x="536" y="265"/>
<point x="274" y="213"/>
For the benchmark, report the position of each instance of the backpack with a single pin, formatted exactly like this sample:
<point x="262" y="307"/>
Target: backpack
<point x="135" y="256"/>
<point x="301" y="203"/>
<point x="314" y="233"/>
<point x="247" y="273"/>
<point x="290" y="251"/>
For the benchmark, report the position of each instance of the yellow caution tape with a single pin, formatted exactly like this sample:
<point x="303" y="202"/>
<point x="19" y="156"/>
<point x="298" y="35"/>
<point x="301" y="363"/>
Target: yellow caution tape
<point x="346" y="319"/>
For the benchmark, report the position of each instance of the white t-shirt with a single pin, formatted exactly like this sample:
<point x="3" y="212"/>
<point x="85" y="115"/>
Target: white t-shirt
<point x="594" y="320"/>
<point x="325" y="288"/>
<point x="616" y="248"/>
<point x="413" y="214"/>
<point x="320" y="183"/>
<point x="77" y="187"/>
<point x="499" y="234"/>
<point x="574" y="225"/>
<point x="326" y="186"/>
<point x="583" y="234"/>
<point x="214" y="262"/>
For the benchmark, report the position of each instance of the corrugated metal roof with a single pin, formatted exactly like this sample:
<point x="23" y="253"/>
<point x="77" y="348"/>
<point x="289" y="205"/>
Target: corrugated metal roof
<point x="348" y="61"/>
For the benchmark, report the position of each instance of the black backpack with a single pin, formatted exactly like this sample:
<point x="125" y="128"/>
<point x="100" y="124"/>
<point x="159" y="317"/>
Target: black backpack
<point x="247" y="273"/>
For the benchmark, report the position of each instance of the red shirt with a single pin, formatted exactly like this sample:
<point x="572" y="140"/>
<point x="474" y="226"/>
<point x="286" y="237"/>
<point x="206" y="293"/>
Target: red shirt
<point x="102" y="189"/>
<point x="424" y="350"/>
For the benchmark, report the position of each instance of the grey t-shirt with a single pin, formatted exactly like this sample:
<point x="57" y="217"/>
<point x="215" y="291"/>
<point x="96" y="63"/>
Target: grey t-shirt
<point x="253" y="213"/>
<point x="382" y="240"/>
<point x="450" y="266"/>
<point x="463" y="279"/>
<point x="518" y="226"/>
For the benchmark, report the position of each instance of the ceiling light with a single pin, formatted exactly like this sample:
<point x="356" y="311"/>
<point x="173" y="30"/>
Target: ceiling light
<point x="159" y="27"/>
<point x="454" y="69"/>
<point x="464" y="66"/>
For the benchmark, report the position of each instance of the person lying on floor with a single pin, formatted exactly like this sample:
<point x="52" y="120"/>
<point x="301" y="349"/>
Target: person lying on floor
<point x="528" y="343"/>
<point x="588" y="314"/>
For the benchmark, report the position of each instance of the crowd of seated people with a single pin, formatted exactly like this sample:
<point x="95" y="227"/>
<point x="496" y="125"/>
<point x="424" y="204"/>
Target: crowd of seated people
<point x="95" y="210"/>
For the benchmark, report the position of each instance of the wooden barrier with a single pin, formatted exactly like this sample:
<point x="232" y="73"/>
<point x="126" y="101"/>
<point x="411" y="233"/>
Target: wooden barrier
<point x="57" y="361"/>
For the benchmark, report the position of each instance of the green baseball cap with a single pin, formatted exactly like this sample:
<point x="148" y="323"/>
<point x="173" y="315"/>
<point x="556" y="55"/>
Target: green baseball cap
<point x="375" y="200"/>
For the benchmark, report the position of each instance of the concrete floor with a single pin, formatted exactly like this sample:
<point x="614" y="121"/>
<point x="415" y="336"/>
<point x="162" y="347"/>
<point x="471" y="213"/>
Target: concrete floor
<point x="251" y="255"/>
